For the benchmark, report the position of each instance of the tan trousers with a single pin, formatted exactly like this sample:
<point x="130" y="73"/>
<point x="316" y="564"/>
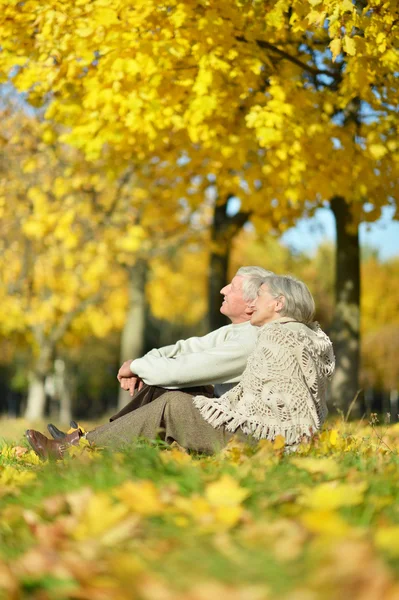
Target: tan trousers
<point x="170" y="417"/>
<point x="149" y="393"/>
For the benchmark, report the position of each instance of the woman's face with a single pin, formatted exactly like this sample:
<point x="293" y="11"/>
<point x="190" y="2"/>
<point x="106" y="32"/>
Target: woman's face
<point x="266" y="307"/>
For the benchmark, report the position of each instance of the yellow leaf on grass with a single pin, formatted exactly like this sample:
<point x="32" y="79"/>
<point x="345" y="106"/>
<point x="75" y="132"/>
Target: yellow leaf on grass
<point x="141" y="497"/>
<point x="332" y="495"/>
<point x="31" y="458"/>
<point x="333" y="437"/>
<point x="176" y="455"/>
<point x="225" y="492"/>
<point x="228" y="515"/>
<point x="325" y="522"/>
<point x="100" y="514"/>
<point x="279" y="442"/>
<point x="387" y="539"/>
<point x="327" y="466"/>
<point x="13" y="477"/>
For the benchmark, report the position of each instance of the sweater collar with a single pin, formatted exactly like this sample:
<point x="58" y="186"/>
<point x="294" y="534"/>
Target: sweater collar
<point x="244" y="324"/>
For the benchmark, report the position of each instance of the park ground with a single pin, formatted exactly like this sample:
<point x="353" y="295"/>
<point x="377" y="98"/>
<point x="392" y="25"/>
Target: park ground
<point x="151" y="522"/>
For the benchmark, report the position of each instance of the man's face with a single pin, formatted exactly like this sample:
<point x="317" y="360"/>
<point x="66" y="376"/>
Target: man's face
<point x="234" y="306"/>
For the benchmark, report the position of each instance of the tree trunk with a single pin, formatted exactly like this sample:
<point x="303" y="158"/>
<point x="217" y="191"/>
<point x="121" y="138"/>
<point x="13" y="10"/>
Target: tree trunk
<point x="224" y="228"/>
<point x="64" y="386"/>
<point x="218" y="267"/>
<point x="132" y="339"/>
<point x="36" y="401"/>
<point x="345" y="331"/>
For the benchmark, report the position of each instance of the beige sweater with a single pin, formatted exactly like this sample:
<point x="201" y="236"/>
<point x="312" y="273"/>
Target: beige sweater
<point x="218" y="358"/>
<point x="283" y="388"/>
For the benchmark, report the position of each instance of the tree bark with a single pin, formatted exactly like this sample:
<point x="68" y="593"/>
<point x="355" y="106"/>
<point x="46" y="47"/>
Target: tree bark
<point x="36" y="401"/>
<point x="224" y="228"/>
<point x="132" y="339"/>
<point x="64" y="385"/>
<point x="218" y="267"/>
<point x="345" y="330"/>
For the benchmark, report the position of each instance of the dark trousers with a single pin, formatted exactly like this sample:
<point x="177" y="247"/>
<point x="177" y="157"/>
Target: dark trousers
<point x="148" y="393"/>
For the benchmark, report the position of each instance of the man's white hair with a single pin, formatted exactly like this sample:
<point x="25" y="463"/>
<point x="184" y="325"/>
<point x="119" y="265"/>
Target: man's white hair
<point x="253" y="279"/>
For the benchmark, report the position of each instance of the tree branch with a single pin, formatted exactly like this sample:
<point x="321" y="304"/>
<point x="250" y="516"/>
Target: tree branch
<point x="293" y="59"/>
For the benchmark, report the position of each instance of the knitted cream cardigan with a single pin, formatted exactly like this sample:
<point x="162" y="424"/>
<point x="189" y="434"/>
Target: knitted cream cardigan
<point x="283" y="388"/>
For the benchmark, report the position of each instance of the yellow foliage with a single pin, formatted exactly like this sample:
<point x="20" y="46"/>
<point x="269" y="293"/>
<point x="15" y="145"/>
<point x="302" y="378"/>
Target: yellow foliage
<point x="129" y="78"/>
<point x="177" y="288"/>
<point x="332" y="495"/>
<point x="140" y="497"/>
<point x="387" y="539"/>
<point x="324" y="522"/>
<point x="91" y="525"/>
<point x="326" y="466"/>
<point x="9" y="477"/>
<point x="225" y="492"/>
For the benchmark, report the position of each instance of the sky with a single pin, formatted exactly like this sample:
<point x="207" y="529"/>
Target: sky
<point x="307" y="235"/>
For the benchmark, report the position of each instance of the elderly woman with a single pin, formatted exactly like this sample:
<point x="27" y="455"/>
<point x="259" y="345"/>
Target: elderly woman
<point x="282" y="390"/>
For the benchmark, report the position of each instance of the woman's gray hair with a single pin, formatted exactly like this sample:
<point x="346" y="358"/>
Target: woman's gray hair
<point x="298" y="301"/>
<point x="253" y="279"/>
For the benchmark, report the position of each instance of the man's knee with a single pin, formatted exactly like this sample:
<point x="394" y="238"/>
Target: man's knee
<point x="177" y="402"/>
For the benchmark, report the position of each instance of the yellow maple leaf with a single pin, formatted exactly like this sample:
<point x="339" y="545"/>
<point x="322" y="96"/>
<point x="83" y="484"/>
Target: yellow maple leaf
<point x="141" y="497"/>
<point x="326" y="466"/>
<point x="325" y="522"/>
<point x="387" y="539"/>
<point x="335" y="47"/>
<point x="228" y="515"/>
<point x="106" y="16"/>
<point x="9" y="476"/>
<point x="176" y="455"/>
<point x="349" y="45"/>
<point x="377" y="151"/>
<point x="331" y="495"/>
<point x="279" y="442"/>
<point x="225" y="492"/>
<point x="98" y="516"/>
<point x="333" y="437"/>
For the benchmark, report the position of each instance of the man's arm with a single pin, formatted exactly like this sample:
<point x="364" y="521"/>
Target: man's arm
<point x="192" y="344"/>
<point x="219" y="364"/>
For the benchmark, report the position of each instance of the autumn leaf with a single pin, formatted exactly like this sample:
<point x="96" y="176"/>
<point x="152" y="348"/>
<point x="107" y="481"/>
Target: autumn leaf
<point x="10" y="476"/>
<point x="333" y="495"/>
<point x="90" y="525"/>
<point x="335" y="47"/>
<point x="349" y="45"/>
<point x="141" y="497"/>
<point x="387" y="539"/>
<point x="324" y="522"/>
<point x="326" y="466"/>
<point x="225" y="492"/>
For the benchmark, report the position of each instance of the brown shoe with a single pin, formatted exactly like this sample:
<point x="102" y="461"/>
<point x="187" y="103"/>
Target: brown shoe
<point x="47" y="448"/>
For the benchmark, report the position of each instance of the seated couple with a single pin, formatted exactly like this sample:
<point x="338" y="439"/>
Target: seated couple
<point x="264" y="375"/>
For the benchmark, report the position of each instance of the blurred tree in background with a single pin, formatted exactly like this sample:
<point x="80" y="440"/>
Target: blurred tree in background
<point x="185" y="106"/>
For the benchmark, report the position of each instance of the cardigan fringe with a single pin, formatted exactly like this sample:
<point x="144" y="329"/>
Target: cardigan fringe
<point x="217" y="417"/>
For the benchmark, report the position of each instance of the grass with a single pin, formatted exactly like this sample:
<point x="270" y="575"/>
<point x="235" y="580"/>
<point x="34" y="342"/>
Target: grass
<point x="151" y="522"/>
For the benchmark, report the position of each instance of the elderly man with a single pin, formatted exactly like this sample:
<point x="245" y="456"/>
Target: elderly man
<point x="216" y="361"/>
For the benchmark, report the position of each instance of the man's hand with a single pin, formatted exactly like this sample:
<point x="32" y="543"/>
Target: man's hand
<point x="125" y="371"/>
<point x="131" y="384"/>
<point x="129" y="381"/>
